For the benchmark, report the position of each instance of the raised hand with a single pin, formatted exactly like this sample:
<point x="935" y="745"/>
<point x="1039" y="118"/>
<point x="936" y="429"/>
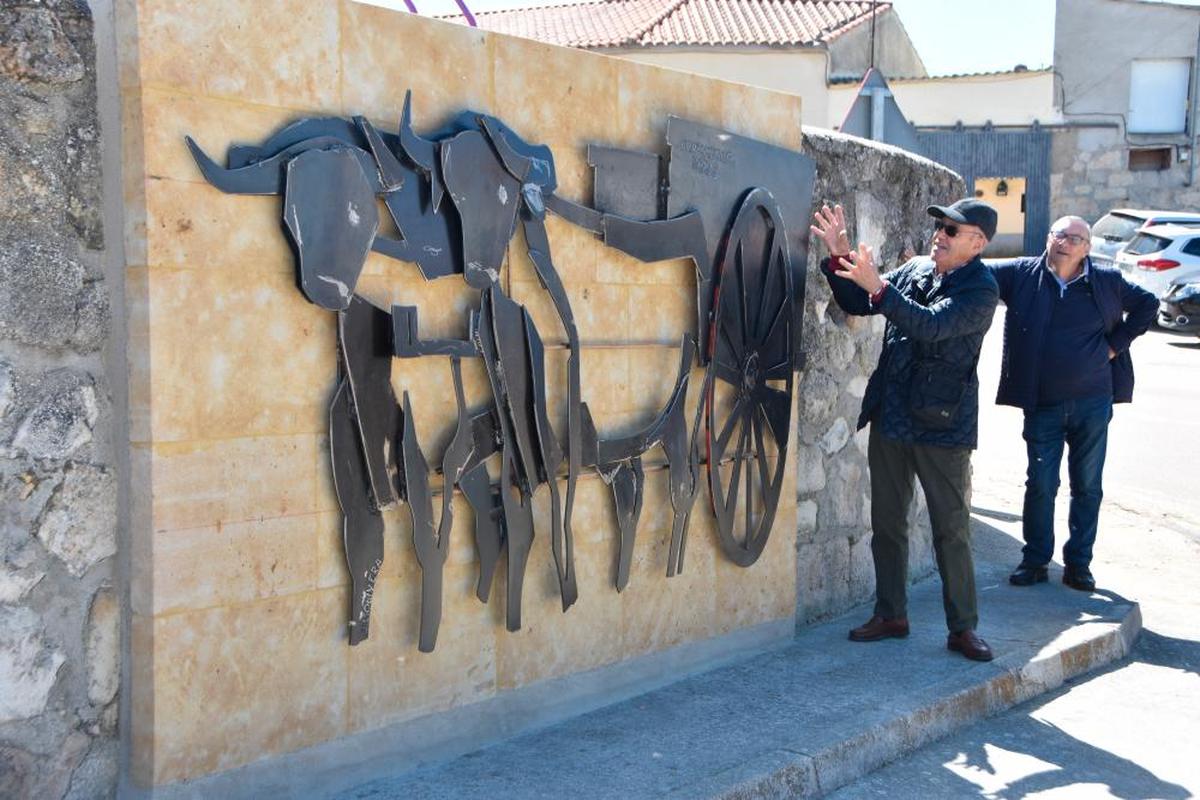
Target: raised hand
<point x="859" y="266"/>
<point x="830" y="228"/>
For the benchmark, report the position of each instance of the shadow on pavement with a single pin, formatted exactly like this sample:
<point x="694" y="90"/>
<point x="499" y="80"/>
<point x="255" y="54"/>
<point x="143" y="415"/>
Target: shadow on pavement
<point x="983" y="767"/>
<point x="991" y="513"/>
<point x="1167" y="651"/>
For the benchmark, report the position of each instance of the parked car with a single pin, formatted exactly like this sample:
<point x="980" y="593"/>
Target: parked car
<point x="1118" y="227"/>
<point x="1161" y="255"/>
<point x="1179" y="309"/>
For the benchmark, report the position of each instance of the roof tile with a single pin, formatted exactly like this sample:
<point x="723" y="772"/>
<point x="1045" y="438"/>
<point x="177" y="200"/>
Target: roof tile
<point x="655" y="23"/>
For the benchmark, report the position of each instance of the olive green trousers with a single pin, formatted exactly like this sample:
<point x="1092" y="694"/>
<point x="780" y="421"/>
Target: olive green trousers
<point x="945" y="475"/>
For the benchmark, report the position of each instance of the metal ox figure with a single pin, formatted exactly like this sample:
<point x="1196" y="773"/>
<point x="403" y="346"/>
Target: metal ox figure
<point x="456" y="198"/>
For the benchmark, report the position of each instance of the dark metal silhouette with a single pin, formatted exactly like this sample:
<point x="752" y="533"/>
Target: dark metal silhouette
<point x="456" y="199"/>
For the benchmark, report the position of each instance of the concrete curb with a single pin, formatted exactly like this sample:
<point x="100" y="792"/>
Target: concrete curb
<point x="780" y="773"/>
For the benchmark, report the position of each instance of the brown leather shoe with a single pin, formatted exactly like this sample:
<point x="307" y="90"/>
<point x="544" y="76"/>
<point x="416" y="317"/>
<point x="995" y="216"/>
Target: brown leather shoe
<point x="970" y="645"/>
<point x="877" y="628"/>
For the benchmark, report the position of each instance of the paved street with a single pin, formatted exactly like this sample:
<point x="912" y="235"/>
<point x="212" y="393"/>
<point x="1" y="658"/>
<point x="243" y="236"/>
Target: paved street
<point x="1131" y="730"/>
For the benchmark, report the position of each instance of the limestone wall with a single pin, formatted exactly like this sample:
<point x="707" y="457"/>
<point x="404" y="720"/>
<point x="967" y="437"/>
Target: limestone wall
<point x="884" y="191"/>
<point x="239" y="592"/>
<point x="59" y="599"/>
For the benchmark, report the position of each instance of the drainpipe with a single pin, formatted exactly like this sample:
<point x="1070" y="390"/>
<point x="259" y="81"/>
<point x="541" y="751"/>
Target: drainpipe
<point x="1191" y="173"/>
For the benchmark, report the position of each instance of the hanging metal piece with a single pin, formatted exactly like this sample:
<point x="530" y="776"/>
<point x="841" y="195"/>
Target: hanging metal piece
<point x="421" y="152"/>
<point x="392" y="174"/>
<point x="431" y="547"/>
<point x="685" y="484"/>
<point x="409" y="344"/>
<point x="502" y="342"/>
<point x="628" y="482"/>
<point x="627" y="182"/>
<point x="489" y="525"/>
<point x="751" y="343"/>
<point x="457" y="454"/>
<point x="365" y="341"/>
<point x="538" y="244"/>
<point x="486" y="197"/>
<point x="329" y="210"/>
<point x="710" y="171"/>
<point x="550" y="457"/>
<point x="518" y="538"/>
<point x="309" y="129"/>
<point x="362" y="525"/>
<point x="618" y="462"/>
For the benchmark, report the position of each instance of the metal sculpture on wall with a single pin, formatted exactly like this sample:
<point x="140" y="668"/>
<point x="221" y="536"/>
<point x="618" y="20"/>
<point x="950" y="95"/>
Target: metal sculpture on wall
<point x="456" y="199"/>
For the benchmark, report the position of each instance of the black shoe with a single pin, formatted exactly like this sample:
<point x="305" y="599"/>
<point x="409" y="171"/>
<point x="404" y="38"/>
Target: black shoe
<point x="1079" y="578"/>
<point x="1028" y="575"/>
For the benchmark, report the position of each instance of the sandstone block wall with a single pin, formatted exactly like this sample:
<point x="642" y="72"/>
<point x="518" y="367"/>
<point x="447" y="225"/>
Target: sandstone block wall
<point x="238" y="588"/>
<point x="59" y="600"/>
<point x="239" y="592"/>
<point x="884" y="191"/>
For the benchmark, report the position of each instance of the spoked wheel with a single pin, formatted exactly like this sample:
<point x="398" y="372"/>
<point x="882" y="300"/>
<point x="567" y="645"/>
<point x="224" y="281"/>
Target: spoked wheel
<point x="749" y="400"/>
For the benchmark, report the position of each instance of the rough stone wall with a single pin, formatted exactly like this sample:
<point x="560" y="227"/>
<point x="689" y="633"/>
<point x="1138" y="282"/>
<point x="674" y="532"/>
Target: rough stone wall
<point x="884" y="191"/>
<point x="59" y="611"/>
<point x="1090" y="175"/>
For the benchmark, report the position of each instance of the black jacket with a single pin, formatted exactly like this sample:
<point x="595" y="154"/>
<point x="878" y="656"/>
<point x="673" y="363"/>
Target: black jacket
<point x="1027" y="288"/>
<point x="948" y="322"/>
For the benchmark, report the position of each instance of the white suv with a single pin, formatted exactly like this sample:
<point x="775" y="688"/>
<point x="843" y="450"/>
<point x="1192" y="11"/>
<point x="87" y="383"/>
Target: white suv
<point x="1160" y="255"/>
<point x="1116" y="228"/>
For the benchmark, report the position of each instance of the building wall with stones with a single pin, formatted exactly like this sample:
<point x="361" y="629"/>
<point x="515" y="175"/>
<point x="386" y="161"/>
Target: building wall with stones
<point x="884" y="191"/>
<point x="1090" y="168"/>
<point x="1090" y="175"/>
<point x="59" y="595"/>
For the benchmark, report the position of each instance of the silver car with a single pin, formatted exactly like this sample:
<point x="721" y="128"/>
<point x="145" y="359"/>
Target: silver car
<point x="1116" y="229"/>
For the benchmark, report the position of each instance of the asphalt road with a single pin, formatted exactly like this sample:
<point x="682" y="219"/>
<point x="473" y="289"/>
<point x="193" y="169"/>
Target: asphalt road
<point x="1131" y="730"/>
<point x="1153" y="462"/>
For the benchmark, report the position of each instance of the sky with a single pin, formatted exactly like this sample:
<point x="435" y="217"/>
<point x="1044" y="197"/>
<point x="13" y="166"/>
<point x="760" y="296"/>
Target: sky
<point x="951" y="37"/>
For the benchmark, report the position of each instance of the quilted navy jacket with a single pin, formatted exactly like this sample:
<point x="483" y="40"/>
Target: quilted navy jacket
<point x="1028" y="288"/>
<point x="948" y="323"/>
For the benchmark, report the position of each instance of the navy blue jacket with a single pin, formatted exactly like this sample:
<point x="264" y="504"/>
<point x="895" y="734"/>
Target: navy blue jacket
<point x="1028" y="289"/>
<point x="950" y="323"/>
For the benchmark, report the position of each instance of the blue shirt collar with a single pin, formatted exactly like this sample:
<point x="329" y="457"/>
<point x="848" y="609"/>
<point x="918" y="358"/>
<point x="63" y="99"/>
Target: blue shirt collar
<point x="1062" y="285"/>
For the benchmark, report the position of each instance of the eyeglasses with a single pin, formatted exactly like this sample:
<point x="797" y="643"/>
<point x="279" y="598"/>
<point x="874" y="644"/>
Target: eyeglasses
<point x="1070" y="238"/>
<point x="951" y="229"/>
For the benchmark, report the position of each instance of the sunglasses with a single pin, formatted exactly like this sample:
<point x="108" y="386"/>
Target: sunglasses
<point x="951" y="229"/>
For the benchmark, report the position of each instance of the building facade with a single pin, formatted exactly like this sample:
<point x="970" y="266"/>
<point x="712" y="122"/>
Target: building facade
<point x="1129" y="119"/>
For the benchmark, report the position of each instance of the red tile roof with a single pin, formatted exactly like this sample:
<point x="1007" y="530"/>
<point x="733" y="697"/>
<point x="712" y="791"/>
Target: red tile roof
<point x="651" y="23"/>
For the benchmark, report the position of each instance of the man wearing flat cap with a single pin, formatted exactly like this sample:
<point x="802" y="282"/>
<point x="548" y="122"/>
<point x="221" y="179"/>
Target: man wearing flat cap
<point x="922" y="402"/>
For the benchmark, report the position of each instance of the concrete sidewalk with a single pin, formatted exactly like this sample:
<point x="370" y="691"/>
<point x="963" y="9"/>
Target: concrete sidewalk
<point x="813" y="715"/>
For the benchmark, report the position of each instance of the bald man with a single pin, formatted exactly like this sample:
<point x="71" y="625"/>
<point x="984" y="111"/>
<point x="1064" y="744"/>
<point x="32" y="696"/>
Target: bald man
<point x="1067" y="331"/>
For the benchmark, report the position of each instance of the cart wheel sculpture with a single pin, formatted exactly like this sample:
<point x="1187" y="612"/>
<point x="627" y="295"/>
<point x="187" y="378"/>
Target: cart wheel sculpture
<point x="748" y="404"/>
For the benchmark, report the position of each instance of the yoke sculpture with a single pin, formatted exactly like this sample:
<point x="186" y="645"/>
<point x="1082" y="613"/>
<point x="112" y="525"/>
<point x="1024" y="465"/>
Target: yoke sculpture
<point x="456" y="198"/>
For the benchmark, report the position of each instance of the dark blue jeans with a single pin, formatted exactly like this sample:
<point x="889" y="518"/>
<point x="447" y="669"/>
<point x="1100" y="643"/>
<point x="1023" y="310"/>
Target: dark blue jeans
<point x="1081" y="425"/>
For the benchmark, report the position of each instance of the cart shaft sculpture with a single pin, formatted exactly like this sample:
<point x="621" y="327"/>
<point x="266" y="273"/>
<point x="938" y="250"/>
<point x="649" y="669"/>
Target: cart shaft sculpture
<point x="456" y="198"/>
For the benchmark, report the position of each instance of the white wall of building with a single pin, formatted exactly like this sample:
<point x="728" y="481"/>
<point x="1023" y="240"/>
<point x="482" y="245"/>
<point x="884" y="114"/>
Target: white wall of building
<point x="800" y="71"/>
<point x="1011" y="98"/>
